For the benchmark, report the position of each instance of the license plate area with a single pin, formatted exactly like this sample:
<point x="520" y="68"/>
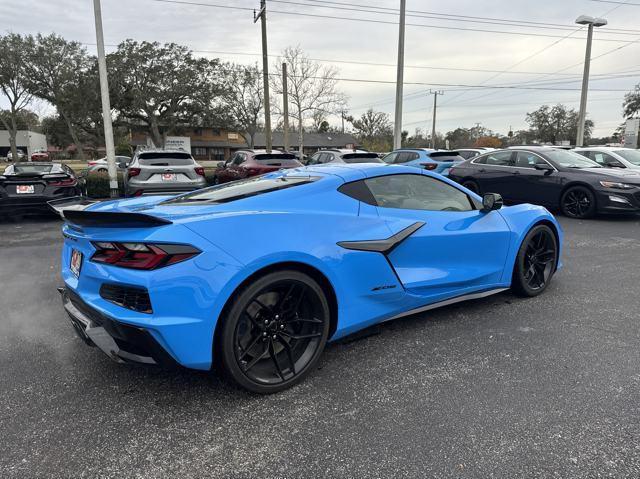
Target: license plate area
<point x="25" y="189"/>
<point x="168" y="177"/>
<point x="76" y="262"/>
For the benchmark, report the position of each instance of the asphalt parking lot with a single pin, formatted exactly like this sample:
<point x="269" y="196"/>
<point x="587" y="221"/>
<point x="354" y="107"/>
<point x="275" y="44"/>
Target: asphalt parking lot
<point x="500" y="387"/>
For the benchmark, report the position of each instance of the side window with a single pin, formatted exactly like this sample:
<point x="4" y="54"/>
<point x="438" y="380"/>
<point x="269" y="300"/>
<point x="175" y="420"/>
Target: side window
<point x="413" y="156"/>
<point x="239" y="158"/>
<point x="402" y="157"/>
<point x="390" y="158"/>
<point x="524" y="159"/>
<point x="481" y="160"/>
<point x="314" y="159"/>
<point x="417" y="192"/>
<point x="327" y="157"/>
<point x="604" y="159"/>
<point x="500" y="158"/>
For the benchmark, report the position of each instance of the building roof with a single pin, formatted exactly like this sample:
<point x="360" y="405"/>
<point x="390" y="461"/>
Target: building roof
<point x="311" y="140"/>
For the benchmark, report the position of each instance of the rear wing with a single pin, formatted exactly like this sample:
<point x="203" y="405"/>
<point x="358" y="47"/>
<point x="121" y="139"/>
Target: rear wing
<point x="73" y="211"/>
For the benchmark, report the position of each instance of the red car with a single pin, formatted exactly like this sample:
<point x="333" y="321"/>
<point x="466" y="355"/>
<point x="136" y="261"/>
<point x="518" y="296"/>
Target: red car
<point x="40" y="155"/>
<point x="246" y="163"/>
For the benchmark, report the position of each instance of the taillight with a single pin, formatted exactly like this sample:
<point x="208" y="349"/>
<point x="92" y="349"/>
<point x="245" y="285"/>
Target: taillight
<point x="65" y="182"/>
<point x="133" y="172"/>
<point x="429" y="166"/>
<point x="199" y="170"/>
<point x="141" y="255"/>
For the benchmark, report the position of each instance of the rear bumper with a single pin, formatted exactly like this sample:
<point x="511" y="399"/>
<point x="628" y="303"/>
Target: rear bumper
<point x="142" y="188"/>
<point x="121" y="342"/>
<point x="39" y="203"/>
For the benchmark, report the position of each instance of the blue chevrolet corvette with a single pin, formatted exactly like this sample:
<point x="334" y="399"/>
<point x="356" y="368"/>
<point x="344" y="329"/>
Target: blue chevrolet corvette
<point x="255" y="276"/>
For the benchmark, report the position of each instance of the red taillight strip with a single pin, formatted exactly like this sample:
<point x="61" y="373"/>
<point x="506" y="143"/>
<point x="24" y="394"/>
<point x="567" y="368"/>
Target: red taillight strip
<point x="156" y="256"/>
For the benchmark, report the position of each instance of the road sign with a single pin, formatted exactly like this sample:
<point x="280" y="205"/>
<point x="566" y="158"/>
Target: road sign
<point x="631" y="133"/>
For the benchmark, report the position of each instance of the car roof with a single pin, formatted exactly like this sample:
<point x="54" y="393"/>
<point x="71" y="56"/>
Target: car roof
<point x="603" y="148"/>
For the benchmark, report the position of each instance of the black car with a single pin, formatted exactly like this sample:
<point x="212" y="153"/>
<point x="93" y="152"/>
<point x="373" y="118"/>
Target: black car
<point x="26" y="187"/>
<point x="551" y="177"/>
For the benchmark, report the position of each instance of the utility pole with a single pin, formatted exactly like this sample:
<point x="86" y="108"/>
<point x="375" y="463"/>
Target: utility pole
<point x="342" y="115"/>
<point x="262" y="15"/>
<point x="590" y="22"/>
<point x="397" y="127"/>
<point x="106" y="104"/>
<point x="285" y="102"/>
<point x="435" y="94"/>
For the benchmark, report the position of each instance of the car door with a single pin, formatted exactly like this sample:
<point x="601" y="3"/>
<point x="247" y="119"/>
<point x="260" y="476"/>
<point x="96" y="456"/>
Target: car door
<point x="494" y="173"/>
<point x="530" y="185"/>
<point x="457" y="249"/>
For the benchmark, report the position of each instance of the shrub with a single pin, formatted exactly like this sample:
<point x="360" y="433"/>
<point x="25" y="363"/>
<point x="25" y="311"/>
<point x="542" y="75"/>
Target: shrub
<point x="97" y="184"/>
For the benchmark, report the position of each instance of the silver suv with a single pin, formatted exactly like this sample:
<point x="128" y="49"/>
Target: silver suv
<point x="153" y="172"/>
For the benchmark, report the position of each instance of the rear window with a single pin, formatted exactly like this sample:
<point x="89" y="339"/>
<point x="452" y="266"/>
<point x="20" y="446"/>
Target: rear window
<point x="26" y="168"/>
<point x="361" y="158"/>
<point x="276" y="156"/>
<point x="165" y="159"/>
<point x="445" y="156"/>
<point x="237" y="190"/>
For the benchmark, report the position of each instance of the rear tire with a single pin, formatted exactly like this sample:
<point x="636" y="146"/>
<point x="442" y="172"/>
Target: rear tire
<point x="274" y="332"/>
<point x="536" y="262"/>
<point x="578" y="202"/>
<point x="472" y="185"/>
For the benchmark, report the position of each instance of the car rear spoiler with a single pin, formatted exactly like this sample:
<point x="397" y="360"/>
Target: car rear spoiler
<point x="73" y="211"/>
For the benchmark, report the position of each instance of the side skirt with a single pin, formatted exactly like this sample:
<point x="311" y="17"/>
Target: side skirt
<point x="446" y="302"/>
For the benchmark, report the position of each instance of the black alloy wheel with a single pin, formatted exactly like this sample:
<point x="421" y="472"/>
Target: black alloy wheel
<point x="578" y="202"/>
<point x="536" y="262"/>
<point x="275" y="332"/>
<point x="472" y="185"/>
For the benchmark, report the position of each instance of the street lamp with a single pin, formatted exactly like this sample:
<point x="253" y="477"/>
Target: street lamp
<point x="591" y="22"/>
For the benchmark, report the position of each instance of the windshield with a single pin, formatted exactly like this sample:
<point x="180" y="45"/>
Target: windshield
<point x="569" y="159"/>
<point x="23" y="168"/>
<point x="165" y="159"/>
<point x="237" y="190"/>
<point x="632" y="156"/>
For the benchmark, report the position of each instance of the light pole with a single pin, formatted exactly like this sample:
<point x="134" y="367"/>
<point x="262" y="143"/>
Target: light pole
<point x="397" y="122"/>
<point x="591" y="22"/>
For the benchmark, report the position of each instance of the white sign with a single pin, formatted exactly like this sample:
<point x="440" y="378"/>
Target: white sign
<point x="631" y="133"/>
<point x="178" y="143"/>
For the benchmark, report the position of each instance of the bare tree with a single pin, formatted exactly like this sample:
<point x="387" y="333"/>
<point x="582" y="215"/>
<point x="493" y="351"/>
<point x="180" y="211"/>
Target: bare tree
<point x="14" y="50"/>
<point x="312" y="89"/>
<point x="244" y="99"/>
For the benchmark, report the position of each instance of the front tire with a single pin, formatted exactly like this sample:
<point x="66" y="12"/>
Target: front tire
<point x="578" y="202"/>
<point x="274" y="332"/>
<point x="536" y="262"/>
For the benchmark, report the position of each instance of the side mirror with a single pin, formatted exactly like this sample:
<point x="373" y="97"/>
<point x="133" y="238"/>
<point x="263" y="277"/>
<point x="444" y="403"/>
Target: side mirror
<point x="543" y="167"/>
<point x="221" y="164"/>
<point x="614" y="164"/>
<point x="491" y="202"/>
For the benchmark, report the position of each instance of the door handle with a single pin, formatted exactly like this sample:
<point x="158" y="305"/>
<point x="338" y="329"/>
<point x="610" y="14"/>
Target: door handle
<point x="516" y="172"/>
<point x="482" y="170"/>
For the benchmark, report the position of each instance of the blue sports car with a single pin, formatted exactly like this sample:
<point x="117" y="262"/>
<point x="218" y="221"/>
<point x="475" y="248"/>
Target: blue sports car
<point x="438" y="161"/>
<point x="255" y="276"/>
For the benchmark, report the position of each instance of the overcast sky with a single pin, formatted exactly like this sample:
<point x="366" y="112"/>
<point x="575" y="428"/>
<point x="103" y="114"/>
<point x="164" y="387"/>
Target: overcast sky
<point x="346" y="40"/>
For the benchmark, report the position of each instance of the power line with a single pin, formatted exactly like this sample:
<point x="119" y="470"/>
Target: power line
<point x="385" y="22"/>
<point x="508" y="20"/>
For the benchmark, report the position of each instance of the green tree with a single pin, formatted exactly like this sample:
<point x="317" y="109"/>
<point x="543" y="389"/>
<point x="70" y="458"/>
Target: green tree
<point x="557" y="123"/>
<point x="631" y="104"/>
<point x="56" y="72"/>
<point x="14" y="53"/>
<point x="165" y="87"/>
<point x="373" y="130"/>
